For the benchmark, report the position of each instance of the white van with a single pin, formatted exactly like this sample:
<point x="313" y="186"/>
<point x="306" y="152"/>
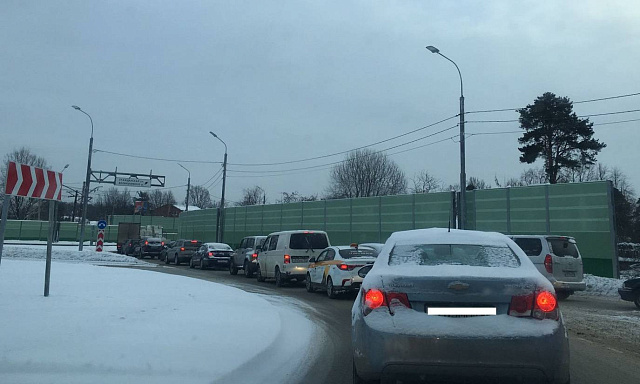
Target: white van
<point x="557" y="258"/>
<point x="285" y="255"/>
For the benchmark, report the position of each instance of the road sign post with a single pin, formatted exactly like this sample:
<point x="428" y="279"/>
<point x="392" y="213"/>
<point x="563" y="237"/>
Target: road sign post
<point x="36" y="183"/>
<point x="102" y="224"/>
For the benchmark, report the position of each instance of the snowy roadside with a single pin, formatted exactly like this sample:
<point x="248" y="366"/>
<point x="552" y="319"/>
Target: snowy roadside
<point x="70" y="255"/>
<point x="114" y="325"/>
<point x="601" y="286"/>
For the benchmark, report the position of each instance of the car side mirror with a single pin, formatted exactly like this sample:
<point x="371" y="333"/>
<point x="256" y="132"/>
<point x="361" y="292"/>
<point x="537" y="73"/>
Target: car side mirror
<point x="312" y="259"/>
<point x="364" y="270"/>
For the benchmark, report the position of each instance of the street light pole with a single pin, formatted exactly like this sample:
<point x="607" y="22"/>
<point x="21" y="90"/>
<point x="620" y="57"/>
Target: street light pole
<point x="224" y="179"/>
<point x="85" y="195"/>
<point x="186" y="202"/>
<point x="463" y="176"/>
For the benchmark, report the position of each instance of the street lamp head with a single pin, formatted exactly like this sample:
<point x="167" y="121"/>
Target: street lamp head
<point x="433" y="49"/>
<point x="75" y="107"/>
<point x="214" y="135"/>
<point x="65" y="167"/>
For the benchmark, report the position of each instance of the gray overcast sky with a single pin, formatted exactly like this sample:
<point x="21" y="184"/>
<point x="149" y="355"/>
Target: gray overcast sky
<point x="288" y="80"/>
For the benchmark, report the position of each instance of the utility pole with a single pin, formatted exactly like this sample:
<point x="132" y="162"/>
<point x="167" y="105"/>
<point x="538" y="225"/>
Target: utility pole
<point x="186" y="201"/>
<point x="85" y="196"/>
<point x="224" y="179"/>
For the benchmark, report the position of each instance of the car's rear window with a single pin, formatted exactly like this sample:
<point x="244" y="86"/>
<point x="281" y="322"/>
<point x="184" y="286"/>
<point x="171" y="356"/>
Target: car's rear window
<point x="308" y="240"/>
<point x="220" y="247"/>
<point x="356" y="253"/>
<point x="250" y="242"/>
<point x="530" y="246"/>
<point x="563" y="247"/>
<point x="193" y="244"/>
<point x="453" y="254"/>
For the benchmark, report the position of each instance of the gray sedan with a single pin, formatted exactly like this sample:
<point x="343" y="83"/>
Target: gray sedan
<point x="467" y="305"/>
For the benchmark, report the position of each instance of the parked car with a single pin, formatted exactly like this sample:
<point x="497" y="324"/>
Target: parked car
<point x="165" y="248"/>
<point x="129" y="246"/>
<point x="211" y="255"/>
<point x="285" y="255"/>
<point x="630" y="291"/>
<point x="457" y="305"/>
<point x="246" y="256"/>
<point x="336" y="269"/>
<point x="181" y="251"/>
<point x="151" y="246"/>
<point x="558" y="259"/>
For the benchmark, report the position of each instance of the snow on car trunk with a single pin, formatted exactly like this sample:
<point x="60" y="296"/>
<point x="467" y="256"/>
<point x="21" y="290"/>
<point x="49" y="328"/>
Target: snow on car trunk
<point x="117" y="325"/>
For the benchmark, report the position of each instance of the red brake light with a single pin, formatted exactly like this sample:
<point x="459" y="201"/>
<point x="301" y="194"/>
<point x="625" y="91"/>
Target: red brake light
<point x="343" y="267"/>
<point x="182" y="248"/>
<point x="210" y="253"/>
<point x="162" y="243"/>
<point x="146" y="243"/>
<point x="548" y="263"/>
<point x="194" y="241"/>
<point x="287" y="259"/>
<point x="546" y="301"/>
<point x="373" y="299"/>
<point x="254" y="256"/>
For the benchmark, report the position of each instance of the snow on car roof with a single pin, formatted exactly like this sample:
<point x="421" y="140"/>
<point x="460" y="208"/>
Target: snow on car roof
<point x="444" y="236"/>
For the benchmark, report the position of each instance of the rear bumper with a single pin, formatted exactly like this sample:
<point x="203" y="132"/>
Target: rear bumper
<point x="398" y="354"/>
<point x="294" y="271"/>
<point x="626" y="294"/>
<point x="569" y="286"/>
<point x="216" y="261"/>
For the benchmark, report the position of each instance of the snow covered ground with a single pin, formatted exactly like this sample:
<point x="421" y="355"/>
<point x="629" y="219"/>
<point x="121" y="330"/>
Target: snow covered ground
<point x="602" y="286"/>
<point x="70" y="254"/>
<point x="121" y="325"/>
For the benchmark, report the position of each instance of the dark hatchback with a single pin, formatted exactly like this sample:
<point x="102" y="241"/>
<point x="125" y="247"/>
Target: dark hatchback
<point x="630" y="291"/>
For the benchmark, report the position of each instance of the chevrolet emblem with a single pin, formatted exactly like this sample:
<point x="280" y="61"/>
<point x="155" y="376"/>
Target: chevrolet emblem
<point x="458" y="285"/>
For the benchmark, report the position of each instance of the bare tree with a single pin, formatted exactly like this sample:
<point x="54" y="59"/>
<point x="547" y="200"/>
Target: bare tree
<point x="158" y="198"/>
<point x="21" y="207"/>
<point x="424" y="182"/>
<point x="200" y="197"/>
<point x="510" y="182"/>
<point x="252" y="196"/>
<point x="477" y="183"/>
<point x="364" y="173"/>
<point x="620" y="181"/>
<point x="112" y="202"/>
<point x="295" y="197"/>
<point x="533" y="176"/>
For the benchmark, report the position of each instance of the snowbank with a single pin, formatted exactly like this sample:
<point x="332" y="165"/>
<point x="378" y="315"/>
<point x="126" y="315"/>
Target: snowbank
<point x="602" y="286"/>
<point x="115" y="325"/>
<point x="68" y="254"/>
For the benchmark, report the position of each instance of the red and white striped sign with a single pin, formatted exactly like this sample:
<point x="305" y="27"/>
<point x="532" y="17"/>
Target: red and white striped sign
<point x="100" y="241"/>
<point x="28" y="181"/>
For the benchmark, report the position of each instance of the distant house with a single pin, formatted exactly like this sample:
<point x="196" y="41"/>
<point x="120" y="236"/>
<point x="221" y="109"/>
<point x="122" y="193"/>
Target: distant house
<point x="171" y="210"/>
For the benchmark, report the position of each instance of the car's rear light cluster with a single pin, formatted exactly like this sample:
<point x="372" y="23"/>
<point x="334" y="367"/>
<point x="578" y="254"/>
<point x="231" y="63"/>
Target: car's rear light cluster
<point x="539" y="305"/>
<point x="254" y="256"/>
<point x="162" y="243"/>
<point x="375" y="298"/>
<point x="287" y="259"/>
<point x="548" y="263"/>
<point x="210" y="253"/>
<point x="347" y="267"/>
<point x="146" y="243"/>
<point x="182" y="249"/>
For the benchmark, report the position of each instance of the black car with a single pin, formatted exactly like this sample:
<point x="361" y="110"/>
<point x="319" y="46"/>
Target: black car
<point x="181" y="251"/>
<point x="151" y="246"/>
<point x="630" y="291"/>
<point x="211" y="255"/>
<point x="129" y="246"/>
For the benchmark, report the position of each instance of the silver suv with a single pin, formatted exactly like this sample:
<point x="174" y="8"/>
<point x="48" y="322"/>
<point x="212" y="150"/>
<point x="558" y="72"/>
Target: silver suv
<point x="246" y="256"/>
<point x="557" y="258"/>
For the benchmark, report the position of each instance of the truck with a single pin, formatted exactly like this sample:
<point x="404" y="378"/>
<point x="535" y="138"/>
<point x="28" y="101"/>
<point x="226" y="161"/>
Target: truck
<point x="127" y="231"/>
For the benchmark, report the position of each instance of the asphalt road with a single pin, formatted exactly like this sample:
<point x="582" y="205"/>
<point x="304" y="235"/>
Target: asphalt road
<point x="595" y="357"/>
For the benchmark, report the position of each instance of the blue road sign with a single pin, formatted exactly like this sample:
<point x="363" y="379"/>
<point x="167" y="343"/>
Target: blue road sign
<point x="102" y="224"/>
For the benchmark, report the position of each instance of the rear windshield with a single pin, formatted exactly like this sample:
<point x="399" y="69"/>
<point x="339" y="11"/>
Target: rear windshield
<point x="563" y="247"/>
<point x="220" y="247"/>
<point x="308" y="240"/>
<point x="250" y="242"/>
<point x="192" y="245"/>
<point x="446" y="254"/>
<point x="532" y="247"/>
<point x="357" y="253"/>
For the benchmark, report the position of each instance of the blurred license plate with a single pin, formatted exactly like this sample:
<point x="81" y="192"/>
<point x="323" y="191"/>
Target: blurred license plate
<point x="465" y="311"/>
<point x="570" y="274"/>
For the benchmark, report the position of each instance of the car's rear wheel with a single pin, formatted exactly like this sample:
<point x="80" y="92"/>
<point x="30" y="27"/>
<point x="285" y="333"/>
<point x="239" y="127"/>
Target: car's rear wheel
<point x="191" y="264"/>
<point x="176" y="260"/>
<point x="259" y="275"/>
<point x="247" y="269"/>
<point x="202" y="265"/>
<point x="166" y="259"/>
<point x="358" y="380"/>
<point x="563" y="295"/>
<point x="331" y="291"/>
<point x="279" y="281"/>
<point x="636" y="301"/>
<point x="309" y="285"/>
<point x="232" y="268"/>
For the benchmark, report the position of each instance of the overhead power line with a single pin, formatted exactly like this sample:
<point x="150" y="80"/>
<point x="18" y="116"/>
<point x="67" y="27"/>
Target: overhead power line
<point x="157" y="158"/>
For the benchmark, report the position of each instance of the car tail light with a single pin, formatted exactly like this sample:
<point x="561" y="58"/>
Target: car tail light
<point x="287" y="259"/>
<point x="346" y="267"/>
<point x="162" y="243"/>
<point x="194" y="241"/>
<point x="539" y="305"/>
<point x="146" y="243"/>
<point x="521" y="306"/>
<point x="182" y="249"/>
<point x="548" y="263"/>
<point x="375" y="298"/>
<point x="254" y="256"/>
<point x="210" y="253"/>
